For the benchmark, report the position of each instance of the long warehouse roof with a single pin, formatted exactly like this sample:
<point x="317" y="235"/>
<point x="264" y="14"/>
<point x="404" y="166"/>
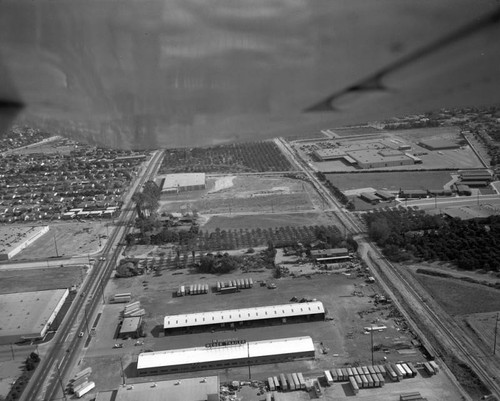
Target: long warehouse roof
<point x="251" y="349"/>
<point x="243" y="315"/>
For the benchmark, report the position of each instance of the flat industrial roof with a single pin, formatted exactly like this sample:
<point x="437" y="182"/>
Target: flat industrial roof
<point x="192" y="389"/>
<point x="173" y="181"/>
<point x="243" y="315"/>
<point x="130" y="324"/>
<point x="12" y="236"/>
<point x="374" y="156"/>
<point x="251" y="349"/>
<point x="27" y="313"/>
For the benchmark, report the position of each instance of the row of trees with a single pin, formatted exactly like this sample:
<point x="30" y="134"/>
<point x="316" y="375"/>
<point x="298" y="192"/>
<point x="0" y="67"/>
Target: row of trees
<point x="239" y="157"/>
<point x="334" y="190"/>
<point x="147" y="201"/>
<point x="405" y="234"/>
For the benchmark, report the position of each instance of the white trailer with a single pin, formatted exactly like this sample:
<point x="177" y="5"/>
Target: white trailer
<point x="328" y="378"/>
<point x="250" y="281"/>
<point x="301" y="381"/>
<point x="434" y="365"/>
<point x="81" y="392"/>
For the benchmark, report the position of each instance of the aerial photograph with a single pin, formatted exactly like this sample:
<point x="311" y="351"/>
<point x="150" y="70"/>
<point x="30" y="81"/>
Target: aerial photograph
<point x="248" y="200"/>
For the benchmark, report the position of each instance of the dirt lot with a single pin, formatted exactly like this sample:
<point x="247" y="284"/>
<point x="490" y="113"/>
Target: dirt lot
<point x="25" y="280"/>
<point x="391" y="181"/>
<point x="52" y="145"/>
<point x="72" y="238"/>
<point x="266" y="221"/>
<point x="247" y="194"/>
<point x="343" y="336"/>
<point x="461" y="298"/>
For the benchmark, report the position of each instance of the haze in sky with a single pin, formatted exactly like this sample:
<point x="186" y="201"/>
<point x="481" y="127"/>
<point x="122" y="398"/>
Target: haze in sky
<point x="148" y="74"/>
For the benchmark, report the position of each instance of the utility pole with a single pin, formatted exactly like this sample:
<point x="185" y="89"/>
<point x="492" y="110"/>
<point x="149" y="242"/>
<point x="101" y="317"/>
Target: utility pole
<point x="248" y="355"/>
<point x="60" y="380"/>
<point x="123" y="373"/>
<point x="371" y="336"/>
<point x="495" y="338"/>
<point x="55" y="244"/>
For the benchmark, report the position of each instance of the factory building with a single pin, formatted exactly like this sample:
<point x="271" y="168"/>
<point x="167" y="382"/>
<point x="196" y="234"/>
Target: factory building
<point x="385" y="195"/>
<point x="369" y="197"/>
<point x="367" y="156"/>
<point x="175" y="183"/>
<point x="241" y="354"/>
<point x="187" y="389"/>
<point x="131" y="327"/>
<point x="14" y="239"/>
<point x="330" y="255"/>
<point x="438" y="144"/>
<point x="275" y="314"/>
<point x="28" y="315"/>
<point x="413" y="193"/>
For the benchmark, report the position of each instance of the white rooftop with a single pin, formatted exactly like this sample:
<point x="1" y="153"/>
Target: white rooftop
<point x="251" y="349"/>
<point x="243" y="315"/>
<point x="173" y="181"/>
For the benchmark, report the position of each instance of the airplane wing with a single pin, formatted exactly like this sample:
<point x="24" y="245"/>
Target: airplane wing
<point x="169" y="73"/>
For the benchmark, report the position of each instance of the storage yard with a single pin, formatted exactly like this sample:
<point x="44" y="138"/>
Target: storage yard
<point x="339" y="340"/>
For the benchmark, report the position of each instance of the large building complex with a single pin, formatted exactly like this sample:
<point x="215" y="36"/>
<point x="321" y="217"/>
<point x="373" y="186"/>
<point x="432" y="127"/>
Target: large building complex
<point x="237" y="317"/>
<point x="243" y="354"/>
<point x="28" y="315"/>
<point x="366" y="155"/>
<point x="14" y="239"/>
<point x="175" y="183"/>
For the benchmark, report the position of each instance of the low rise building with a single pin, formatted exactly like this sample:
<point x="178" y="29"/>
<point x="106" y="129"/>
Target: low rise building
<point x="240" y="354"/>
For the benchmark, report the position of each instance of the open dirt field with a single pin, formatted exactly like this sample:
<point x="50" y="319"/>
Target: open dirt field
<point x="53" y="145"/>
<point x="266" y="221"/>
<point x="483" y="325"/>
<point x="25" y="280"/>
<point x="72" y="238"/>
<point x="391" y="181"/>
<point x="246" y="194"/>
<point x="460" y="298"/>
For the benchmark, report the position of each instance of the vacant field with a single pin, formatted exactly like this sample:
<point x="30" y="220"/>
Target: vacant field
<point x="483" y="325"/>
<point x="25" y="280"/>
<point x="460" y="298"/>
<point x="247" y="194"/>
<point x="72" y="238"/>
<point x="266" y="221"/>
<point x="391" y="181"/>
<point x="58" y="145"/>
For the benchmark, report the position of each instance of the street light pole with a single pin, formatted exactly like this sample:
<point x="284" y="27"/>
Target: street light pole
<point x="495" y="339"/>
<point x="371" y="336"/>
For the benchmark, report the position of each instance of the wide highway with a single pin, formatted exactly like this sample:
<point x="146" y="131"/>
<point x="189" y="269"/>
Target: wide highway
<point x="65" y="348"/>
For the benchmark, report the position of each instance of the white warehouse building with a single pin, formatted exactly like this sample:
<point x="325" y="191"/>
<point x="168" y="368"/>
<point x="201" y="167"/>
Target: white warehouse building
<point x="175" y="183"/>
<point x="200" y="358"/>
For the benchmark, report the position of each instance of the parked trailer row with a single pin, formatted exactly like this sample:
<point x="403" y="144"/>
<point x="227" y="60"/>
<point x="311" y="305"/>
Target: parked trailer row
<point x="83" y="373"/>
<point x="238" y="284"/>
<point x="429" y="368"/>
<point x="197" y="289"/>
<point x="287" y="382"/>
<point x="84" y="390"/>
<point x="119" y="300"/>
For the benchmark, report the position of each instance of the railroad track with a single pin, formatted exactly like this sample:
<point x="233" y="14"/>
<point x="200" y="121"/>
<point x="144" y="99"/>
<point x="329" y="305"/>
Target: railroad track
<point x="48" y="381"/>
<point x="398" y="281"/>
<point x="446" y="333"/>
